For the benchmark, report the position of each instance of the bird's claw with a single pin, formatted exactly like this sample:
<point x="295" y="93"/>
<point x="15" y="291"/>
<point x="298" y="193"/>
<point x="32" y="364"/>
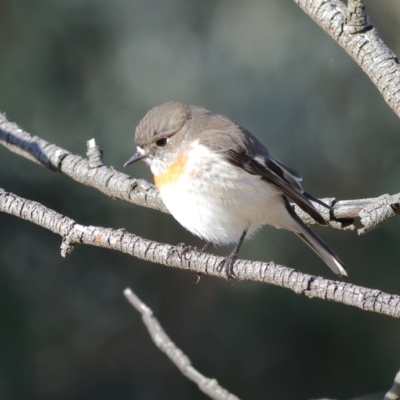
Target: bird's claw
<point x="227" y="264"/>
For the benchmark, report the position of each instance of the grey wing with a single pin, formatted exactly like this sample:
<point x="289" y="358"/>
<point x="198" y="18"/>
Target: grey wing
<point x="240" y="148"/>
<point x="272" y="171"/>
<point x="291" y="176"/>
<point x="291" y="171"/>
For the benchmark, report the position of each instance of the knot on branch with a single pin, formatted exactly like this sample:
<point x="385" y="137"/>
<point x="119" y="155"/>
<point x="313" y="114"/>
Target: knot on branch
<point x="379" y="212"/>
<point x="67" y="246"/>
<point x="95" y="155"/>
<point x="55" y="162"/>
<point x="357" y="19"/>
<point x="71" y="239"/>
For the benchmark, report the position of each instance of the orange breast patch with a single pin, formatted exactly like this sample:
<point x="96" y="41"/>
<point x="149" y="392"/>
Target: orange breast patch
<point x="172" y="173"/>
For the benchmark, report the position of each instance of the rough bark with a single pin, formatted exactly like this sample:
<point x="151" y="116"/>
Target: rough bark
<point x="90" y="172"/>
<point x="353" y="30"/>
<point x="191" y="259"/>
<point x="208" y="386"/>
<point x="93" y="172"/>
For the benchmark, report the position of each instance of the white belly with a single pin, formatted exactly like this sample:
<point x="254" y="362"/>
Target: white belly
<point x="218" y="202"/>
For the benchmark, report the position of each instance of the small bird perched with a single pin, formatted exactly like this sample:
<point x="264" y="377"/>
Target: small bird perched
<point x="220" y="182"/>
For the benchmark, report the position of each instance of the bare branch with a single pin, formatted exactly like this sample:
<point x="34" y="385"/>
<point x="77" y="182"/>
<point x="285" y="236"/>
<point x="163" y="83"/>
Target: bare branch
<point x="208" y="386"/>
<point x="353" y="30"/>
<point x="375" y="214"/>
<point x="191" y="259"/>
<point x="93" y="172"/>
<point x="394" y="392"/>
<point x="372" y="212"/>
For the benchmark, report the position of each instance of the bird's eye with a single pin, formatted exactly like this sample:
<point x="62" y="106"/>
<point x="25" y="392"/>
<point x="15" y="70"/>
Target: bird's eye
<point x="162" y="142"/>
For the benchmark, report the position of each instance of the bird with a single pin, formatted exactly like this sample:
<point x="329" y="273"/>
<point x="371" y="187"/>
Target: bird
<point x="221" y="183"/>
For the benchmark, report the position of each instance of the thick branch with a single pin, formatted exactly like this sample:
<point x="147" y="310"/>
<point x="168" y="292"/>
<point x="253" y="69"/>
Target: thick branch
<point x="186" y="258"/>
<point x="208" y="386"/>
<point x="93" y="172"/>
<point x="353" y="30"/>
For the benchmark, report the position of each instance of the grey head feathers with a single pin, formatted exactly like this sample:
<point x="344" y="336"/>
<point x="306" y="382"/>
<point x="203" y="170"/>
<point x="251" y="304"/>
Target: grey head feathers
<point x="192" y="122"/>
<point x="161" y="122"/>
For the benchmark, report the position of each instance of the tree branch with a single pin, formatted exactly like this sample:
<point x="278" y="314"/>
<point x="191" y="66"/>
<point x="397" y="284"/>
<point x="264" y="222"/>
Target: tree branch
<point x="353" y="31"/>
<point x="394" y="392"/>
<point x="90" y="172"/>
<point x="191" y="259"/>
<point x="93" y="172"/>
<point x="208" y="386"/>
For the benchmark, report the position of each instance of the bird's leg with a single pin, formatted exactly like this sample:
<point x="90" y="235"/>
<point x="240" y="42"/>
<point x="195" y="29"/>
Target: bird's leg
<point x="229" y="261"/>
<point x="205" y="247"/>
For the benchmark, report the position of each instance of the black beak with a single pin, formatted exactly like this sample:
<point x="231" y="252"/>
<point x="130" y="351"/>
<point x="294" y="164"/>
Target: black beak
<point x="134" y="158"/>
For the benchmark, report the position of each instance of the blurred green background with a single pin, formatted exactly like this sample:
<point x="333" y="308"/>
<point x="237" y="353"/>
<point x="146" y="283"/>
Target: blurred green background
<point x="71" y="70"/>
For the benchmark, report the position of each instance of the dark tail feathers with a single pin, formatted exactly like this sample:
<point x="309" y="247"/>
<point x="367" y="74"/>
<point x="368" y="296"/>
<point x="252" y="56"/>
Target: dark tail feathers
<point x="316" y="244"/>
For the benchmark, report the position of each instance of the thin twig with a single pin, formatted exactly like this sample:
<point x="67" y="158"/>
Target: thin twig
<point x="208" y="386"/>
<point x="191" y="259"/>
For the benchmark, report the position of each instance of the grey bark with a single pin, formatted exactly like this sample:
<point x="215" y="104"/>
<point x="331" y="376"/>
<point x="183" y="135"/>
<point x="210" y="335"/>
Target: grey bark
<point x="354" y="32"/>
<point x="93" y="172"/>
<point x="394" y="392"/>
<point x="187" y="258"/>
<point x="90" y="172"/>
<point x="208" y="386"/>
